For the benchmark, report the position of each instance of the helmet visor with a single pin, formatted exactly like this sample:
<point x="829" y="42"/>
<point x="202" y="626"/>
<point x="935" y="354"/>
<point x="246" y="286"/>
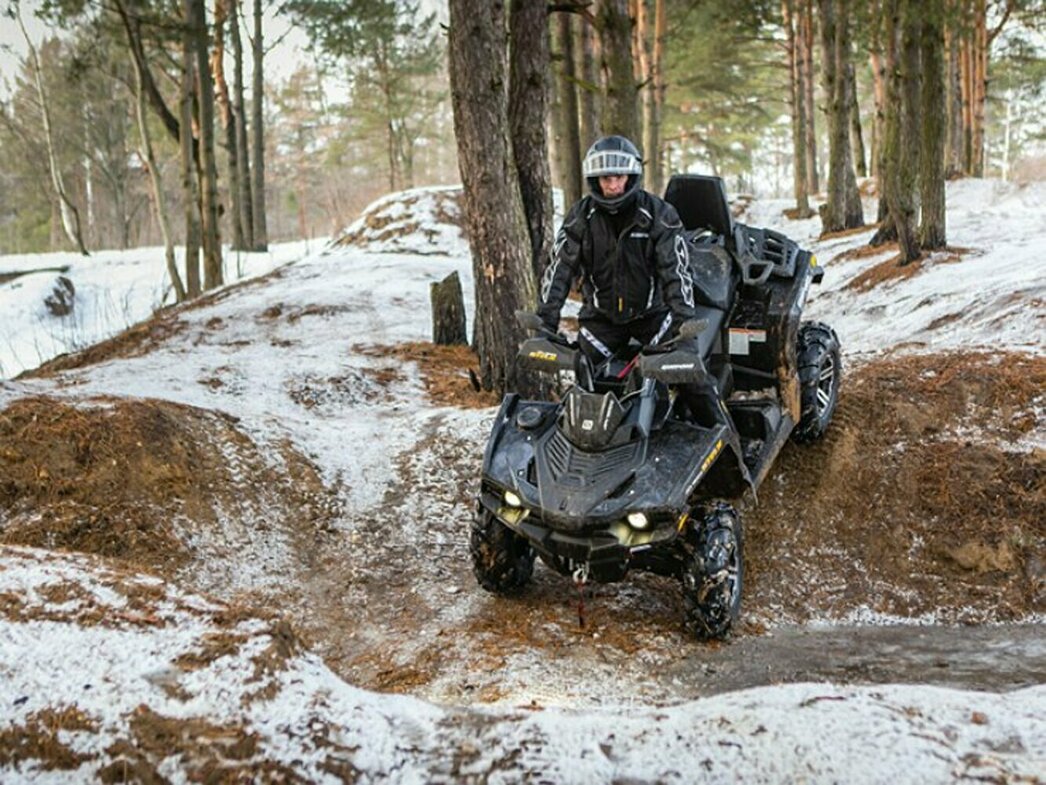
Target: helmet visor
<point x="604" y="162"/>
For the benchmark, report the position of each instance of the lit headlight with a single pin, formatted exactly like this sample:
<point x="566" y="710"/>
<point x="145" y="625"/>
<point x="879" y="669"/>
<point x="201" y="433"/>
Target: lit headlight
<point x="512" y="500"/>
<point x="638" y="520"/>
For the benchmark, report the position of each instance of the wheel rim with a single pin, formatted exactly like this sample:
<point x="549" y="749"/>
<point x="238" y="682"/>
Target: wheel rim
<point x="825" y="384"/>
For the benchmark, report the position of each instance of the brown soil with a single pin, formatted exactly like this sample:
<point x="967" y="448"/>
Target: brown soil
<point x="896" y="510"/>
<point x="37" y="740"/>
<point x="847" y="232"/>
<point x="449" y="373"/>
<point x="892" y="270"/>
<point x="130" y="479"/>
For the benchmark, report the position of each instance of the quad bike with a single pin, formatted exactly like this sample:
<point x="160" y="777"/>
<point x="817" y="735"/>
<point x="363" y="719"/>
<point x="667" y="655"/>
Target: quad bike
<point x="618" y="474"/>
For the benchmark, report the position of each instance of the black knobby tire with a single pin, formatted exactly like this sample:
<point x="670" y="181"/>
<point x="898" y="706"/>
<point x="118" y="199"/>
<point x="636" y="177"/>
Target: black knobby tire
<point x="502" y="560"/>
<point x="820" y="372"/>
<point x="713" y="572"/>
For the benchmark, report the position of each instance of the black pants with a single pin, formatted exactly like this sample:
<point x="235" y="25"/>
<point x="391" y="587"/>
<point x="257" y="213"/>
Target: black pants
<point x="600" y="339"/>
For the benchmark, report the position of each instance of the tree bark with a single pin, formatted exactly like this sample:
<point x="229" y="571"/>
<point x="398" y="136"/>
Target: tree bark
<point x="842" y="209"/>
<point x="589" y="90"/>
<point x="243" y="168"/>
<point x="448" y="312"/>
<point x="806" y="65"/>
<point x="211" y="236"/>
<point x="900" y="157"/>
<point x="567" y="145"/>
<point x="620" y="114"/>
<point x="933" y="127"/>
<point x="656" y="156"/>
<point x="130" y="13"/>
<point x="497" y="229"/>
<point x="980" y="86"/>
<point x="258" y="221"/>
<point x="856" y="134"/>
<point x="952" y="94"/>
<point x="530" y="62"/>
<point x="798" y="95"/>
<point x="223" y="16"/>
<point x="190" y="187"/>
<point x="159" y="199"/>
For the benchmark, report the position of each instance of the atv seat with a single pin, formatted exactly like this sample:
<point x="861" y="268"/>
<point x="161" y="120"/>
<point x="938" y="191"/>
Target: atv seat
<point x="701" y="203"/>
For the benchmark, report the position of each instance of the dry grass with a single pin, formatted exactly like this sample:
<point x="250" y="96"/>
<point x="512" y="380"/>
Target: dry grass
<point x="891" y="269"/>
<point x="446" y="371"/>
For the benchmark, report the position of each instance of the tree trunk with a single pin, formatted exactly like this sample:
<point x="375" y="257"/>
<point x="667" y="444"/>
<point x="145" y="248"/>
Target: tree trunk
<point x="212" y="249"/>
<point x="798" y="95"/>
<point x="222" y="12"/>
<point x="243" y="168"/>
<point x="131" y="18"/>
<point x="70" y="215"/>
<point x="530" y="62"/>
<point x="933" y="127"/>
<point x="589" y="90"/>
<point x="156" y="182"/>
<point x="645" y="78"/>
<point x="806" y="67"/>
<point x="261" y="233"/>
<point x="902" y="128"/>
<point x="448" y="312"/>
<point x="494" y="219"/>
<point x="567" y="146"/>
<point x="842" y="209"/>
<point x="980" y="86"/>
<point x="953" y="100"/>
<point x="190" y="188"/>
<point x="856" y="135"/>
<point x="620" y="115"/>
<point x="656" y="157"/>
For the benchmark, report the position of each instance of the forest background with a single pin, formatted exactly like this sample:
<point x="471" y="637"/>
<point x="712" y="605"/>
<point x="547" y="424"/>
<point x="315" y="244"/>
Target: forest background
<point x="198" y="125"/>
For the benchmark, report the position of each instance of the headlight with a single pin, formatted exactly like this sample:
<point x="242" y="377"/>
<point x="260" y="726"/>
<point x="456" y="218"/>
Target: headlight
<point x="638" y="520"/>
<point x="512" y="500"/>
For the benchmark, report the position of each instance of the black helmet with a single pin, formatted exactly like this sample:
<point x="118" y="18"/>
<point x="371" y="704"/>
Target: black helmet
<point x="612" y="155"/>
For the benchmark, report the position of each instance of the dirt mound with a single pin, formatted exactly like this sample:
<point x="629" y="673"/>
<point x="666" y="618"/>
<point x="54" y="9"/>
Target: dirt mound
<point x="910" y="506"/>
<point x="152" y="483"/>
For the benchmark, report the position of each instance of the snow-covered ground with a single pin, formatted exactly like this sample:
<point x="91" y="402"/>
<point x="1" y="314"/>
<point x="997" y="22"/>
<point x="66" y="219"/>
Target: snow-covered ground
<point x="113" y="290"/>
<point x="121" y="647"/>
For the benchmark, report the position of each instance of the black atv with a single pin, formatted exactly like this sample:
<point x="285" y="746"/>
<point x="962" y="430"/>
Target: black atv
<point x="619" y="474"/>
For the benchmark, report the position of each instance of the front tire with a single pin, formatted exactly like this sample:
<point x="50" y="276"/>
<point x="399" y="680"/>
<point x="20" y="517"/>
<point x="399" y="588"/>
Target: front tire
<point x="502" y="560"/>
<point x="820" y="371"/>
<point x="713" y="573"/>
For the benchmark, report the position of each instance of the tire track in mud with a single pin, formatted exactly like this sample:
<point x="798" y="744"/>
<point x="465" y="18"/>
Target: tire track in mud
<point x="826" y="542"/>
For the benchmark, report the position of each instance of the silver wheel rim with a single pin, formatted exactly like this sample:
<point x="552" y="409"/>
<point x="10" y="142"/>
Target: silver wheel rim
<point x="825" y="382"/>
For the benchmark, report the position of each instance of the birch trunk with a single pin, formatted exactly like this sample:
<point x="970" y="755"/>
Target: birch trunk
<point x="69" y="214"/>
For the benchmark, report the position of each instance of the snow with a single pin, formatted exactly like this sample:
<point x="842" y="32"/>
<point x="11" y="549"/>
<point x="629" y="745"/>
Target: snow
<point x="114" y="290"/>
<point x="249" y="353"/>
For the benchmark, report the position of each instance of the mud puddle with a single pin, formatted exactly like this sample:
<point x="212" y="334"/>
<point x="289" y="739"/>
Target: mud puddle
<point x="995" y="658"/>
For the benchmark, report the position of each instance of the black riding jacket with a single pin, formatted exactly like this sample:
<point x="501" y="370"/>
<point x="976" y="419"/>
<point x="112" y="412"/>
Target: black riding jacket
<point x="625" y="275"/>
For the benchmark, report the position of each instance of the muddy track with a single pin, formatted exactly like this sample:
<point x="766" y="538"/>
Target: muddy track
<point x="392" y="604"/>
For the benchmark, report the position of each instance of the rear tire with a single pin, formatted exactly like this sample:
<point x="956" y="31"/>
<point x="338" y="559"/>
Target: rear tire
<point x="502" y="560"/>
<point x="713" y="573"/>
<point x="820" y="372"/>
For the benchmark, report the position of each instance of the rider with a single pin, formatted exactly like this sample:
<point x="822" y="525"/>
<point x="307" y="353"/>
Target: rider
<point x="627" y="246"/>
